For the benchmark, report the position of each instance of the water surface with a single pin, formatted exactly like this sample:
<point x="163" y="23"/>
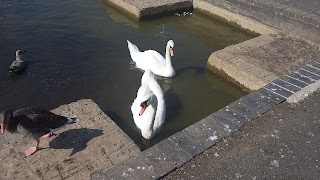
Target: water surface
<point x="77" y="49"/>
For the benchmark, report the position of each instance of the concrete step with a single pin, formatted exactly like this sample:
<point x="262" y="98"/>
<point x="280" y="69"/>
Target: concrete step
<point x="95" y="144"/>
<point x="284" y="17"/>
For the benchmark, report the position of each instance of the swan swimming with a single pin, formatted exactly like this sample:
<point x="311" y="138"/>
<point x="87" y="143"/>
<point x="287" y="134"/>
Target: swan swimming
<point x="151" y="59"/>
<point x="149" y="109"/>
<point x="17" y="65"/>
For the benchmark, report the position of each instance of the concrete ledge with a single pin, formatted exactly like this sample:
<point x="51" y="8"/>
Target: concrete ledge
<point x="78" y="150"/>
<point x="147" y="9"/>
<point x="233" y="18"/>
<point x="259" y="61"/>
<point x="286" y="18"/>
<point x="233" y="62"/>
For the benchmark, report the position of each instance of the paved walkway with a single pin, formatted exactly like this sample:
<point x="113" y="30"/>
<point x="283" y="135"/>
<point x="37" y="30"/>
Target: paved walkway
<point x="281" y="144"/>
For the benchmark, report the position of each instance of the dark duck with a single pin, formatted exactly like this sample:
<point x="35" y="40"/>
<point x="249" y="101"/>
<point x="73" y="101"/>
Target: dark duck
<point x="18" y="65"/>
<point x="33" y="122"/>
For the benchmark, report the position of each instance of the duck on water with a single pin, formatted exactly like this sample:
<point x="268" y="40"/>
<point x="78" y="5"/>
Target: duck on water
<point x="18" y="65"/>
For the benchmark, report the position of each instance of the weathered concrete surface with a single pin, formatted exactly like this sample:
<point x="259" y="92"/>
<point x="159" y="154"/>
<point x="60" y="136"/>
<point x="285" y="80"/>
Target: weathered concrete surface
<point x="281" y="144"/>
<point x="295" y="17"/>
<point x="232" y="18"/>
<point x="79" y="150"/>
<point x="257" y="62"/>
<point x="304" y="92"/>
<point x="146" y="9"/>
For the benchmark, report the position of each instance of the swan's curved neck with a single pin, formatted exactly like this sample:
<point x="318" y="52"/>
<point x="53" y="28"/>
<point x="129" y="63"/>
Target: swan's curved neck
<point x="160" y="114"/>
<point x="161" y="107"/>
<point x="18" y="54"/>
<point x="153" y="125"/>
<point x="168" y="57"/>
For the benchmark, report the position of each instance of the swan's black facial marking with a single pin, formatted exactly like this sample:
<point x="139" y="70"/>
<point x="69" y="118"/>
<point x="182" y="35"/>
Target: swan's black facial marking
<point x="171" y="51"/>
<point x="144" y="103"/>
<point x="143" y="106"/>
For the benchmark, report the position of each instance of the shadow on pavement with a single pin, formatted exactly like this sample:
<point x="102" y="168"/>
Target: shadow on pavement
<point x="75" y="139"/>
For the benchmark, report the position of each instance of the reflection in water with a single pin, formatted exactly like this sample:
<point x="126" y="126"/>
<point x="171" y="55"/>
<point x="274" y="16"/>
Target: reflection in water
<point x="78" y="50"/>
<point x="166" y="84"/>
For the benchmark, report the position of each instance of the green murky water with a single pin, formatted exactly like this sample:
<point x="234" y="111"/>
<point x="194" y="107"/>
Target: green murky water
<point x="77" y="49"/>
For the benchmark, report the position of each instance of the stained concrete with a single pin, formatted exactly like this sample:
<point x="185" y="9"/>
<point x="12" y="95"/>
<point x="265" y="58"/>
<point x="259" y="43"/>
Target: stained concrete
<point x="254" y="63"/>
<point x="294" y="17"/>
<point x="77" y="151"/>
<point x="281" y="144"/>
<point x="232" y="18"/>
<point x="147" y="9"/>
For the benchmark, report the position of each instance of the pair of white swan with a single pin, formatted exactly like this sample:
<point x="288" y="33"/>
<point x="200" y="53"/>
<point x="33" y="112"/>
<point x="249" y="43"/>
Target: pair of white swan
<point x="149" y="108"/>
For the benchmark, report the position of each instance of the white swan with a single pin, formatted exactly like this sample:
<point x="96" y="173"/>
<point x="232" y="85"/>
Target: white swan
<point x="151" y="59"/>
<point x="149" y="109"/>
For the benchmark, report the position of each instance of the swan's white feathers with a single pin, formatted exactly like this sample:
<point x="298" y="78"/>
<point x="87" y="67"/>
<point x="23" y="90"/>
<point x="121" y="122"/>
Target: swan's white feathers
<point x="151" y="59"/>
<point x="154" y="115"/>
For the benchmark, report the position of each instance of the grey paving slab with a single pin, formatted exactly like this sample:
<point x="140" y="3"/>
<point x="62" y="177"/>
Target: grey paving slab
<point x="232" y="116"/>
<point x="294" y="81"/>
<point x="226" y="124"/>
<point x="99" y="176"/>
<point x="308" y="74"/>
<point x="205" y="132"/>
<point x="187" y="143"/>
<point x="173" y="152"/>
<point x="312" y="69"/>
<point x="257" y="102"/>
<point x="315" y="64"/>
<point x="158" y="161"/>
<point x="244" y="111"/>
<point x="301" y="78"/>
<point x="279" y="90"/>
<point x="139" y="168"/>
<point x="271" y="95"/>
<point x="119" y="173"/>
<point x="286" y="85"/>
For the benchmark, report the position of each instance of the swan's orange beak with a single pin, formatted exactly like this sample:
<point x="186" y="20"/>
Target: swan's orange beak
<point x="171" y="52"/>
<point x="143" y="108"/>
